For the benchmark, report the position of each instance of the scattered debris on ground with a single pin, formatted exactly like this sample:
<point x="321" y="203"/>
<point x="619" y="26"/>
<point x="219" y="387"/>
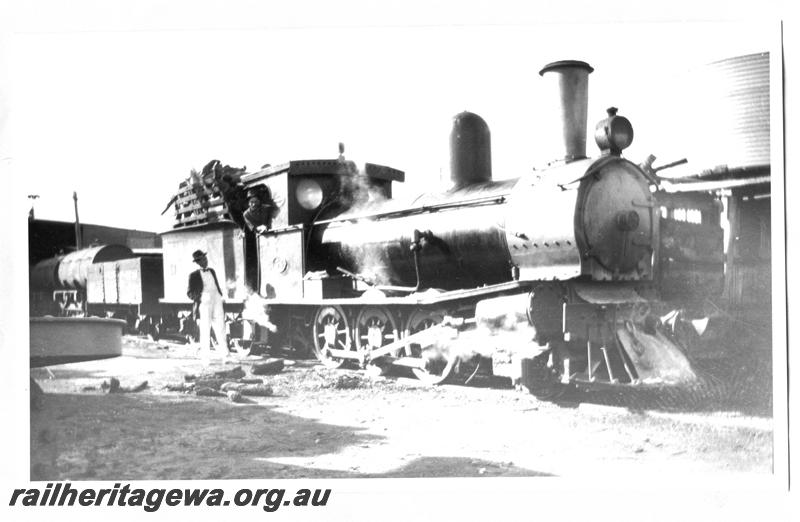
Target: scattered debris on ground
<point x="113" y="386"/>
<point x="350" y="382"/>
<point x="232" y="384"/>
<point x="268" y="367"/>
<point x="235" y="396"/>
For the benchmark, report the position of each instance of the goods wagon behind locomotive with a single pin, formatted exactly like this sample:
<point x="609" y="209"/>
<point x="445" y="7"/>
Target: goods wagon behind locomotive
<point x="104" y="281"/>
<point x="58" y="285"/>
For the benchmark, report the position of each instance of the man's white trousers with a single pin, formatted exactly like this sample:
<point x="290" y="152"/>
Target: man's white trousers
<point x="212" y="315"/>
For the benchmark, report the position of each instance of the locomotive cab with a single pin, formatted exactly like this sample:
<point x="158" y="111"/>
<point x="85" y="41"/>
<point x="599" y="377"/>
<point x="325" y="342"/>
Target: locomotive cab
<point x="307" y="192"/>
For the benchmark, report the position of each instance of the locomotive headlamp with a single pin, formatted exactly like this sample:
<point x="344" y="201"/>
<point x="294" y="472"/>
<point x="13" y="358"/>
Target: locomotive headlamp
<point x="309" y="194"/>
<point x="614" y="133"/>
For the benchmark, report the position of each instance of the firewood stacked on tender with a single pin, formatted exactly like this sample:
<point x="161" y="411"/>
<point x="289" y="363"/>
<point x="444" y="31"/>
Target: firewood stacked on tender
<point x="213" y="194"/>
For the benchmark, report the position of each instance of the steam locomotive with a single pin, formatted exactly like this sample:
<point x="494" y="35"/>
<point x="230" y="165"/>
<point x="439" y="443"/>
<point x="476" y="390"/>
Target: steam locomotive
<point x="566" y="258"/>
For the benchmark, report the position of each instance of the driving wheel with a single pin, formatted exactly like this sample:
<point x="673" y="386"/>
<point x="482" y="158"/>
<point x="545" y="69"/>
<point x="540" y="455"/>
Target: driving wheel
<point x="331" y="332"/>
<point x="436" y="365"/>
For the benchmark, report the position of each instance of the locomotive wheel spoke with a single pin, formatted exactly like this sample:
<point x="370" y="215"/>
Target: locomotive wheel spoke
<point x="330" y="333"/>
<point x="375" y="326"/>
<point x="438" y="365"/>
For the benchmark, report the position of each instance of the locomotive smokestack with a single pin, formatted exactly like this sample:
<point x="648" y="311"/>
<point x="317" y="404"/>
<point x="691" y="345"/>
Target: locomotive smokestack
<point x="470" y="150"/>
<point x="571" y="78"/>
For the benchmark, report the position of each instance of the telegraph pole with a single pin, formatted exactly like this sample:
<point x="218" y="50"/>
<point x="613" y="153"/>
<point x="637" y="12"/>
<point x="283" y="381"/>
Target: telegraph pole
<point x="78" y="238"/>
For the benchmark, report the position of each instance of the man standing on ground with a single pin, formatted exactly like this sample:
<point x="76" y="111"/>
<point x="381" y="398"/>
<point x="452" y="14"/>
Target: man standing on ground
<point x="205" y="292"/>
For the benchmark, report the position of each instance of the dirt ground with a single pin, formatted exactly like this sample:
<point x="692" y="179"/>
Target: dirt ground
<point x="345" y="423"/>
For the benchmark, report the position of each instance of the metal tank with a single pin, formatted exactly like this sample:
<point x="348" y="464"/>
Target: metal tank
<point x="738" y="91"/>
<point x="72" y="270"/>
<point x="717" y="116"/>
<point x="44" y="274"/>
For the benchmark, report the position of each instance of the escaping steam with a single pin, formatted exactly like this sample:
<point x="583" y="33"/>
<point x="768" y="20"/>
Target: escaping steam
<point x="256" y="309"/>
<point x="364" y="197"/>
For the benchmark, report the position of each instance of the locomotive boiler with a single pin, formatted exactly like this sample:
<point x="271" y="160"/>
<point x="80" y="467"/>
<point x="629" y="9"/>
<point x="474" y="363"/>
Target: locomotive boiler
<point x="588" y="218"/>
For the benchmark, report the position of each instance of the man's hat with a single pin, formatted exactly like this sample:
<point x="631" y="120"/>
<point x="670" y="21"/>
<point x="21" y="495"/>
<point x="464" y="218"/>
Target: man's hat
<point x="253" y="194"/>
<point x="197" y="255"/>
